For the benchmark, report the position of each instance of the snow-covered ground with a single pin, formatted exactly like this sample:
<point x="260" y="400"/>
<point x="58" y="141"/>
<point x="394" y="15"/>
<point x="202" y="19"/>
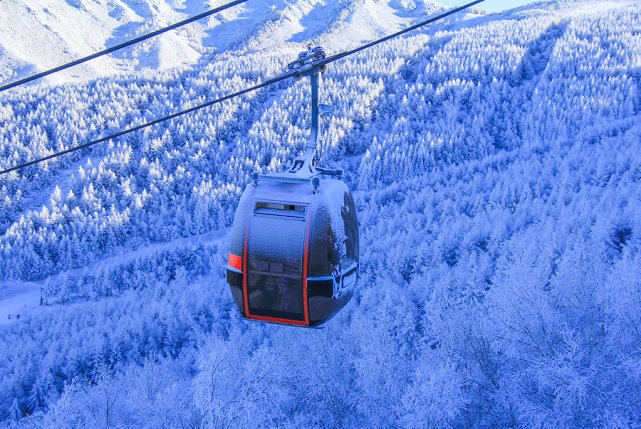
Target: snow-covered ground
<point x="12" y="306"/>
<point x="40" y="35"/>
<point x="495" y="166"/>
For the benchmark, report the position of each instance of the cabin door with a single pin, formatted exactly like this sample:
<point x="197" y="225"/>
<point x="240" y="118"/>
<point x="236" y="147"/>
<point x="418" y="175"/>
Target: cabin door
<point x="275" y="251"/>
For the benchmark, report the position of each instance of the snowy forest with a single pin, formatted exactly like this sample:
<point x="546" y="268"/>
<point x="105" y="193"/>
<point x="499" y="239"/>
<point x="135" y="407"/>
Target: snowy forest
<point x="495" y="164"/>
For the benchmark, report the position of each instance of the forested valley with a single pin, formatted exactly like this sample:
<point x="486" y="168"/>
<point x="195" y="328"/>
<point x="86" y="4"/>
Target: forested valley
<point x="496" y="169"/>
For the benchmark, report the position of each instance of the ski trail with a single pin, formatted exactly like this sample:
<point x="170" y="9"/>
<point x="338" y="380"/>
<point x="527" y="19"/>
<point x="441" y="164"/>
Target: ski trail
<point x="11" y="308"/>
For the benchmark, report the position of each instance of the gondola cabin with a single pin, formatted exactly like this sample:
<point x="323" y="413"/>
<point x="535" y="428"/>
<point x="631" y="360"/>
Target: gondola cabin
<point x="293" y="254"/>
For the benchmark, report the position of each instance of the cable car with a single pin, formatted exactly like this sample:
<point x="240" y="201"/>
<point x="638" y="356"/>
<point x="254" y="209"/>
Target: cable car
<point x="293" y="252"/>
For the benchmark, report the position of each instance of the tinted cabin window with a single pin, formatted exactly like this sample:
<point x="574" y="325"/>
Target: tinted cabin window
<point x="348" y="212"/>
<point x="275" y="260"/>
<point x="324" y="261"/>
<point x="322" y="255"/>
<point x="281" y="209"/>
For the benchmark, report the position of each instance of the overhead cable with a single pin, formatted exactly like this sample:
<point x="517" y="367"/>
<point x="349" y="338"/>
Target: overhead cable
<point x="253" y="88"/>
<point x="154" y="122"/>
<point x="120" y="46"/>
<point x="413" y="27"/>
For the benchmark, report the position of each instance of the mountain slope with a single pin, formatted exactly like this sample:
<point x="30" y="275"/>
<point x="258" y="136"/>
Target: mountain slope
<point x="40" y="36"/>
<point x="495" y="166"/>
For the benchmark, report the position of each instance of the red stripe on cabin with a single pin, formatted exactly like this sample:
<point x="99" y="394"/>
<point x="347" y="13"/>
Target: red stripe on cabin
<point x="250" y="208"/>
<point x="305" y="258"/>
<point x="277" y="320"/>
<point x="236" y="262"/>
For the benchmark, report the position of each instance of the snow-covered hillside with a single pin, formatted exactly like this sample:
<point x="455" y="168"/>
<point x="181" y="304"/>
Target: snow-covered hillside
<point x="496" y="169"/>
<point x="40" y="35"/>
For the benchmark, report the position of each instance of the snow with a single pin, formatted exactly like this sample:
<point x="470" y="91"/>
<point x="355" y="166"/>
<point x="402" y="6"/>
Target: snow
<point x="10" y="307"/>
<point x="495" y="168"/>
<point x="40" y="36"/>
